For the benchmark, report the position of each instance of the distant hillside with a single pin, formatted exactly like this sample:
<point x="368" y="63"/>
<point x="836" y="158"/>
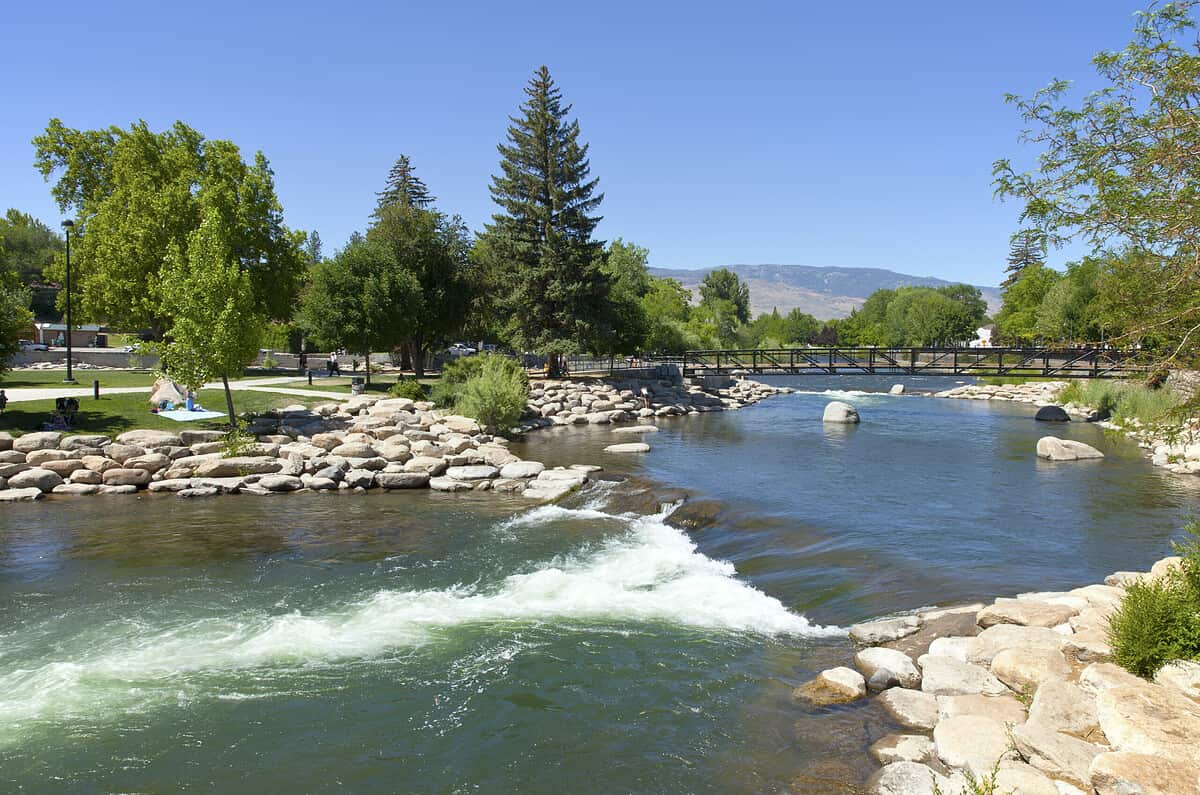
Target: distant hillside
<point x="822" y="292"/>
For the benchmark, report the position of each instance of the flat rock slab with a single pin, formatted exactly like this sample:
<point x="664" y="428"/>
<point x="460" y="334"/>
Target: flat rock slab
<point x="637" y="429"/>
<point x="148" y="439"/>
<point x="1064" y="707"/>
<point x="971" y="743"/>
<point x="911" y="709"/>
<point x="1058" y="755"/>
<point x="628" y="447"/>
<point x="1145" y="718"/>
<point x="873" y="633"/>
<point x="955" y="622"/>
<point x="449" y="484"/>
<point x="395" y="480"/>
<point x="902" y="748"/>
<point x="1018" y="777"/>
<point x="239" y="466"/>
<point x="476" y="472"/>
<point x="20" y="495"/>
<point x="908" y="778"/>
<point x="1122" y="773"/>
<point x="522" y="469"/>
<point x="983" y="648"/>
<point x="1181" y="675"/>
<point x="1005" y="709"/>
<point x="1026" y="669"/>
<point x="1025" y="613"/>
<point x="281" y="483"/>
<point x="945" y="676"/>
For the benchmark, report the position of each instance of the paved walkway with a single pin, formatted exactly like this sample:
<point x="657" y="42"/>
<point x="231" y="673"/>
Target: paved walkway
<point x="273" y="385"/>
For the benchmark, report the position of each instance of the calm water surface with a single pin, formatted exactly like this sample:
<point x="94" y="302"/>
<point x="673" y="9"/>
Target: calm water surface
<point x="441" y="643"/>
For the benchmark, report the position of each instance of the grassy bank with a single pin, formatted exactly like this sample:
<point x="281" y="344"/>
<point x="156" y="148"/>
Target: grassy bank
<point x="19" y="379"/>
<point x="114" y="414"/>
<point x="1125" y="400"/>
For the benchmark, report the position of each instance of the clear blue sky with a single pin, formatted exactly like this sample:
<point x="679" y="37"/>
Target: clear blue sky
<point x="837" y="134"/>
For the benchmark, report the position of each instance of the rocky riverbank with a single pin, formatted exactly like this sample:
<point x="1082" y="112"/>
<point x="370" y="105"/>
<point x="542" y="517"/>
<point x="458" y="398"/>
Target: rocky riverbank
<point x="1175" y="447"/>
<point x="364" y="443"/>
<point x="1022" y="689"/>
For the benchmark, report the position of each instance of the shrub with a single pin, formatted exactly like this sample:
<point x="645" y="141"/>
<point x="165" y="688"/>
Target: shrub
<point x="269" y="363"/>
<point x="238" y="441"/>
<point x="408" y="388"/>
<point x="1123" y="400"/>
<point x="496" y="395"/>
<point x="454" y="377"/>
<point x="1160" y="621"/>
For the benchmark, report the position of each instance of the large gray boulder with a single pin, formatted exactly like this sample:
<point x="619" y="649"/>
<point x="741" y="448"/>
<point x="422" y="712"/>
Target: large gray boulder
<point x="522" y="469"/>
<point x="239" y="466"/>
<point x="20" y="495"/>
<point x="1054" y="449"/>
<point x="877" y="658"/>
<point x="837" y="411"/>
<point x="127" y="477"/>
<point x="280" y="483"/>
<point x="36" y="478"/>
<point x="833" y="686"/>
<point x="37" y="441"/>
<point x="1052" y="414"/>
<point x="149" y="439"/>
<point x="402" y="480"/>
<point x="475" y="472"/>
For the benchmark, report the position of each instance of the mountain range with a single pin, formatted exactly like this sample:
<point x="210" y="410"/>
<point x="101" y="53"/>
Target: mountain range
<point x="821" y="292"/>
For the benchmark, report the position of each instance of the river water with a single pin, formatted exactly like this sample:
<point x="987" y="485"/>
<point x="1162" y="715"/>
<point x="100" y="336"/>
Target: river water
<point x="419" y="642"/>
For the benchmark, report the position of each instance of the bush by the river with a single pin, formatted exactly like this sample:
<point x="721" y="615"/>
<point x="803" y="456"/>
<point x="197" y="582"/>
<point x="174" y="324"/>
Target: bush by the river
<point x="409" y="388"/>
<point x="1123" y="400"/>
<point x="1159" y="620"/>
<point x="453" y="378"/>
<point x="496" y="394"/>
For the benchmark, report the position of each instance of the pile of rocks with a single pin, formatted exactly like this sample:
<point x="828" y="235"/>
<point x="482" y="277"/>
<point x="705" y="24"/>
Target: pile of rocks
<point x="1025" y="686"/>
<point x="59" y="365"/>
<point x="597" y="402"/>
<point x="362" y="444"/>
<point x="1039" y="393"/>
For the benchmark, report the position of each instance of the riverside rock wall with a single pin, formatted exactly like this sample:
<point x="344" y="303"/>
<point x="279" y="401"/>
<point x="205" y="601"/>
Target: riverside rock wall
<point x="1024" y="688"/>
<point x="362" y="444"/>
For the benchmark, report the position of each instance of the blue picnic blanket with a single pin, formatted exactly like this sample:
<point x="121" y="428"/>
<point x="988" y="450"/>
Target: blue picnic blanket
<point x="183" y="415"/>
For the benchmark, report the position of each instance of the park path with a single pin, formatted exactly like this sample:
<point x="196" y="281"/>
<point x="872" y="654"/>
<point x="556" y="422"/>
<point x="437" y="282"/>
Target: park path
<point x="273" y="385"/>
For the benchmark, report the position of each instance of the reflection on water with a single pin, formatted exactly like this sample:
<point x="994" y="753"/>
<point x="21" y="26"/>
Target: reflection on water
<point x="438" y="643"/>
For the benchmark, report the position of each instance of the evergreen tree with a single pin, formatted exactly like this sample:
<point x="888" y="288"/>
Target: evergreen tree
<point x="554" y="297"/>
<point x="1028" y="247"/>
<point x="404" y="188"/>
<point x="313" y="248"/>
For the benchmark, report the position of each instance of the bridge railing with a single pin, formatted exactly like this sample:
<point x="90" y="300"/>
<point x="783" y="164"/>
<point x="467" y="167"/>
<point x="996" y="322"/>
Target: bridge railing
<point x="1009" y="361"/>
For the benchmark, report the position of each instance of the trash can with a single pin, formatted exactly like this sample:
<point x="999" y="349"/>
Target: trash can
<point x="357" y="386"/>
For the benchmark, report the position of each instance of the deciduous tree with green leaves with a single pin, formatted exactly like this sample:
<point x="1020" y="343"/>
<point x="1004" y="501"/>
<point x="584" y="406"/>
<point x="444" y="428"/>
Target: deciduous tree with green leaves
<point x="1119" y="172"/>
<point x="552" y="293"/>
<point x="433" y="249"/>
<point x="1016" y="322"/>
<point x="361" y="300"/>
<point x="137" y="195"/>
<point x="216" y="321"/>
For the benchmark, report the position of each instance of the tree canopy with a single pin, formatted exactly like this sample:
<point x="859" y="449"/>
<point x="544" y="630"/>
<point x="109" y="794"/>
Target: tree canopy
<point x="1118" y="172"/>
<point x="136" y="194"/>
<point x="916" y="316"/>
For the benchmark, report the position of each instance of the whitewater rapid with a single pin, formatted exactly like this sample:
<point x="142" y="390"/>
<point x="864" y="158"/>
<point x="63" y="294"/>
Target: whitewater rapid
<point x="651" y="573"/>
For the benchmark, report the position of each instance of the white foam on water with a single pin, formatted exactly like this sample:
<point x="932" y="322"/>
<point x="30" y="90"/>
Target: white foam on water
<point x="842" y="393"/>
<point x="652" y="573"/>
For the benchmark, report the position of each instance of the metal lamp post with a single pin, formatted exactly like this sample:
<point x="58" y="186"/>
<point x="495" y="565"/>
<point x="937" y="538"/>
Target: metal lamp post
<point x="67" y="226"/>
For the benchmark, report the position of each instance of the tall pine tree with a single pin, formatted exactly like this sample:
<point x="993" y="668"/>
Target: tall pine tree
<point x="553" y="294"/>
<point x="1028" y="247"/>
<point x="404" y="188"/>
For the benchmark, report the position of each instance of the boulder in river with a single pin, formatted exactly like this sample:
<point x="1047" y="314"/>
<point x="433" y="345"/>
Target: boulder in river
<point x="833" y="686"/>
<point x="1052" y="414"/>
<point x="837" y="411"/>
<point x="1055" y="449"/>
<point x="897" y="389"/>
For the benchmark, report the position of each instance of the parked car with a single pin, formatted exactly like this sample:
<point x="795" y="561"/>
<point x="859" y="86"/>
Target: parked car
<point x="30" y="345"/>
<point x="459" y="349"/>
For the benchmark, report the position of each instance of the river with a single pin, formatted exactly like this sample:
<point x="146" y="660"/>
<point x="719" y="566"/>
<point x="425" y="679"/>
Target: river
<point x="421" y="642"/>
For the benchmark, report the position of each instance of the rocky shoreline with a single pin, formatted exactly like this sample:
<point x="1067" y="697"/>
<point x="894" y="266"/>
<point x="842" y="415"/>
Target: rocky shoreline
<point x="1022" y="689"/>
<point x="362" y="444"/>
<point x="1175" y="448"/>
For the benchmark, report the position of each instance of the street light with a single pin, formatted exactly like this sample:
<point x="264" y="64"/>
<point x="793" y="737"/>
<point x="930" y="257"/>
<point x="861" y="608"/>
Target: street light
<point x="67" y="226"/>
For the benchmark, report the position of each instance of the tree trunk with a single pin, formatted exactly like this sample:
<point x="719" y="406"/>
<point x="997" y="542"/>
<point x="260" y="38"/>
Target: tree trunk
<point x="229" y="401"/>
<point x="406" y="359"/>
<point x="367" y="365"/>
<point x="418" y="356"/>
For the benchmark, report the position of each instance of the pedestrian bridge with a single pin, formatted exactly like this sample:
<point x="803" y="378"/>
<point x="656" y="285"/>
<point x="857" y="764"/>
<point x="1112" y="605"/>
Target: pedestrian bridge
<point x="1053" y="363"/>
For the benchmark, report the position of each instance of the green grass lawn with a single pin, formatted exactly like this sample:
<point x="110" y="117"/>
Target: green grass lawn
<point x="18" y="379"/>
<point x="115" y="414"/>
